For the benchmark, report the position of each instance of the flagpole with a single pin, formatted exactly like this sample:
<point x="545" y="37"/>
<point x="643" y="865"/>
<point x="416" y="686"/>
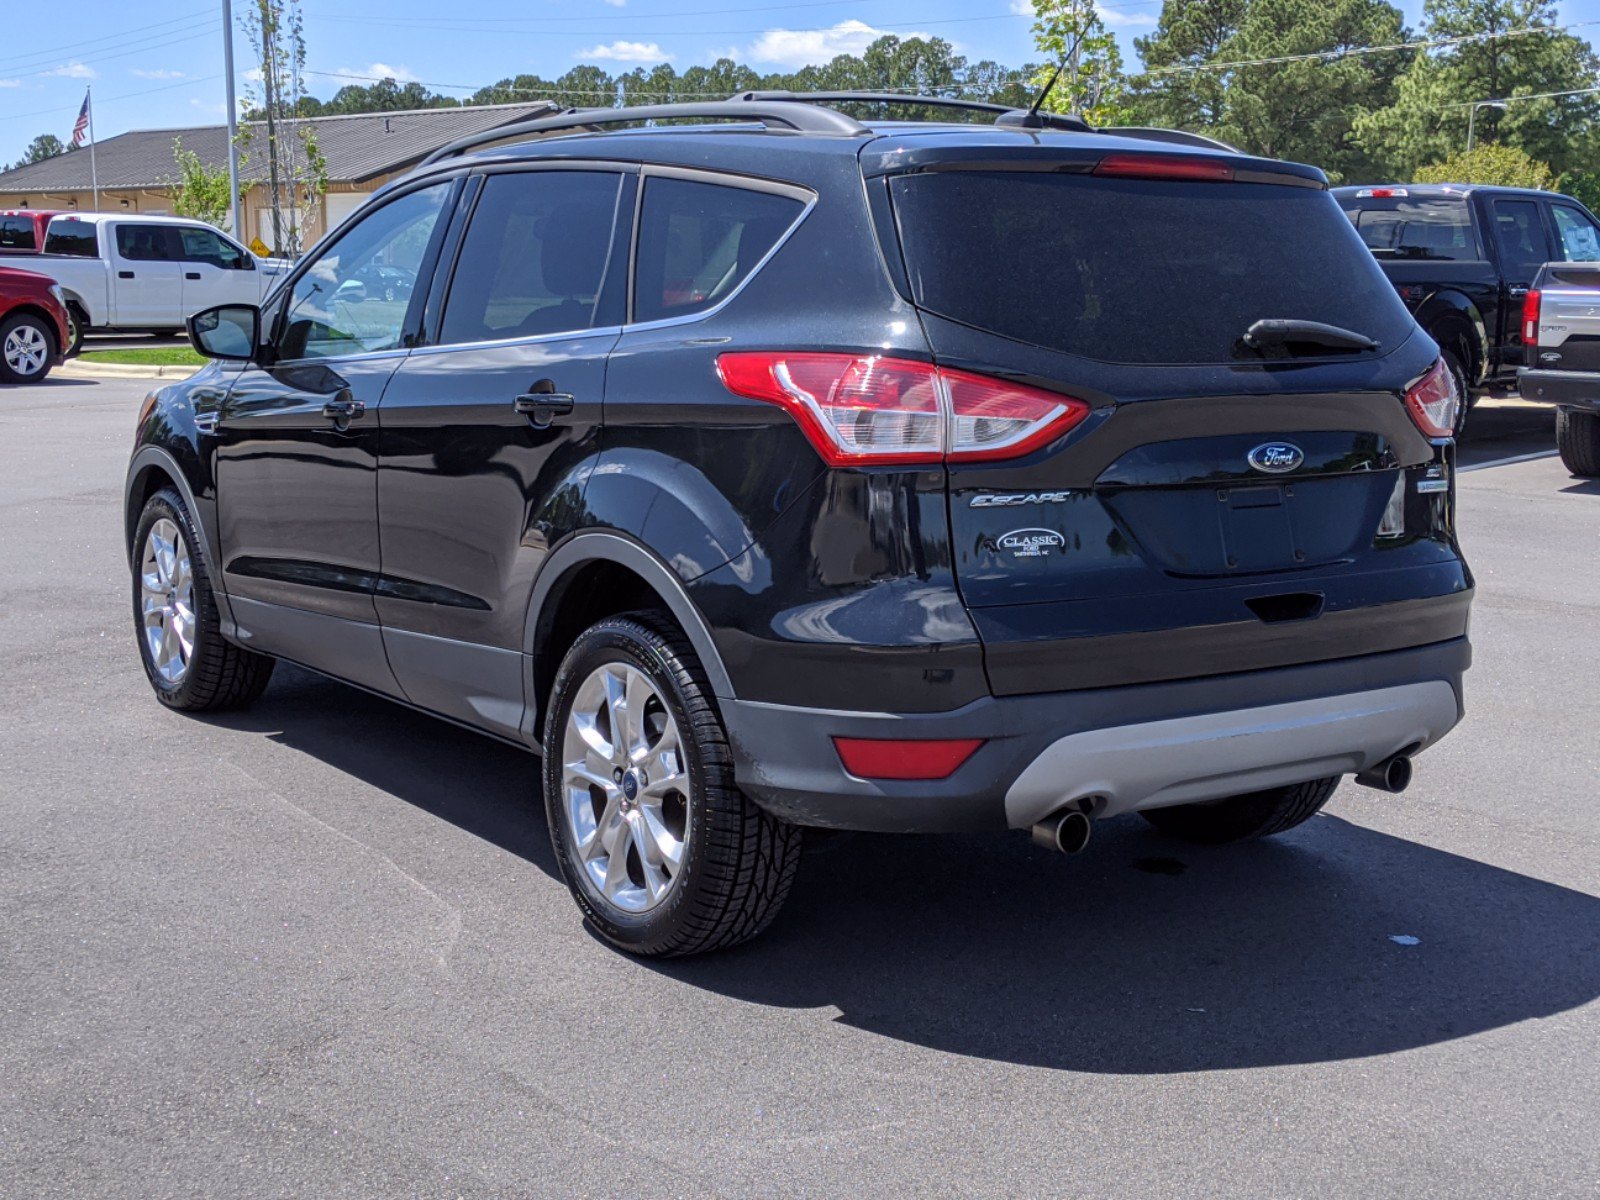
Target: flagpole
<point x="94" y="167"/>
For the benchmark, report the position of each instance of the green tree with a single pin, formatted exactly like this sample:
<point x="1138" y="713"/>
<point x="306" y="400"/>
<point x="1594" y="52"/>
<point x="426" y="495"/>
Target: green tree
<point x="1072" y="36"/>
<point x="295" y="169"/>
<point x="1489" y="163"/>
<point x="1436" y="94"/>
<point x="386" y="95"/>
<point x="200" y="190"/>
<point x="1304" y="109"/>
<point x="46" y="145"/>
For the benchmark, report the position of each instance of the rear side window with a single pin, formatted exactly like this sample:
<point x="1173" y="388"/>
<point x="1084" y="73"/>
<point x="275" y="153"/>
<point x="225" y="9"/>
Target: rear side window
<point x="1429" y="228"/>
<point x="534" y="257"/>
<point x="699" y="241"/>
<point x="204" y="246"/>
<point x="1520" y="238"/>
<point x="16" y="233"/>
<point x="71" y="237"/>
<point x="144" y="243"/>
<point x="1136" y="270"/>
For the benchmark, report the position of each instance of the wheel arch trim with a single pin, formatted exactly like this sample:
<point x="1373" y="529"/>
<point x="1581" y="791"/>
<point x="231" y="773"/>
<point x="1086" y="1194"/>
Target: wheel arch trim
<point x="146" y="459"/>
<point x="585" y="548"/>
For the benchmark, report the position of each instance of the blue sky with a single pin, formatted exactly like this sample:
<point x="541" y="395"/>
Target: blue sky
<point x="158" y="65"/>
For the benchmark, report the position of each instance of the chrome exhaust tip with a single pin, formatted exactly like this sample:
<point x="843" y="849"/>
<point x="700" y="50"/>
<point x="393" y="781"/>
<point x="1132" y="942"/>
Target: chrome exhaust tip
<point x="1066" y="832"/>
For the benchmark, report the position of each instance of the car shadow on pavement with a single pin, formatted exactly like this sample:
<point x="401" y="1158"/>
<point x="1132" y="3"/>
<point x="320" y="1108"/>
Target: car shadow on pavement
<point x="1141" y="955"/>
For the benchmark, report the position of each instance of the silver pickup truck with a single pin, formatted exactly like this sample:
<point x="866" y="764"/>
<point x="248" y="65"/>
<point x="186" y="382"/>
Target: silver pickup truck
<point x="1561" y="353"/>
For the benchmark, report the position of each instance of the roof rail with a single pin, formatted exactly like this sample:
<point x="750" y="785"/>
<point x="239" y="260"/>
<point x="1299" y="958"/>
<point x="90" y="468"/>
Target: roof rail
<point x="802" y="118"/>
<point x="1181" y="137"/>
<point x="1044" y="120"/>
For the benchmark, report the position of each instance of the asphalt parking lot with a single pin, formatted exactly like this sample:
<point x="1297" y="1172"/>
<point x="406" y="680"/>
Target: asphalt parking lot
<point x="319" y="949"/>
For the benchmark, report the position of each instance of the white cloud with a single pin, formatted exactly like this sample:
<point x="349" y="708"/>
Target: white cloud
<point x="1114" y="19"/>
<point x="73" y="70"/>
<point x="616" y="3"/>
<point x="381" y="70"/>
<point x="220" y="110"/>
<point x="158" y="73"/>
<point x="634" y="52"/>
<point x="1023" y="8"/>
<point x="254" y="75"/>
<point x="815" y="47"/>
<point x="10" y="83"/>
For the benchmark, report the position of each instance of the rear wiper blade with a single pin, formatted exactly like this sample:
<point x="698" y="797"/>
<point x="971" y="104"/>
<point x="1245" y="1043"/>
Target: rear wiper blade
<point x="1286" y="337"/>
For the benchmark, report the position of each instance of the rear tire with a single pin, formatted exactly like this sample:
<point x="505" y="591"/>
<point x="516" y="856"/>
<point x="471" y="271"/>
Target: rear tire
<point x="1243" y="818"/>
<point x="1578" y="439"/>
<point x="663" y="854"/>
<point x="179" y="630"/>
<point x="1453" y="363"/>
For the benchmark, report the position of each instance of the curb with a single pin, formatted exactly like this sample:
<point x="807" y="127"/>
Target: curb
<point x="74" y="369"/>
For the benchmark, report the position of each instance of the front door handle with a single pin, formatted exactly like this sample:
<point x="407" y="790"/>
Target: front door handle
<point x="191" y="274"/>
<point x="542" y="408"/>
<point x="342" y="409"/>
<point x="124" y="274"/>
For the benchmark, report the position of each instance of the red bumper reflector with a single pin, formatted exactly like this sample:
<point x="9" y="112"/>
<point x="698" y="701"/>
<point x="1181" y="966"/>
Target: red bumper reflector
<point x="900" y="758"/>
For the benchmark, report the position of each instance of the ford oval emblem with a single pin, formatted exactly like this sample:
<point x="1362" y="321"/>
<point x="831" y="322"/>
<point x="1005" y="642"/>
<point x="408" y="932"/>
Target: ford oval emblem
<point x="1276" y="458"/>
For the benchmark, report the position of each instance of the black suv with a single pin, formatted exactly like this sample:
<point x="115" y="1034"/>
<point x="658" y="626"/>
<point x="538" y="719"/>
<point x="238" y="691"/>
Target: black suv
<point x="793" y="471"/>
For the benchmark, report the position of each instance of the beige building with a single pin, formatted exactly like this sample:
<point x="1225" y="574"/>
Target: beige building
<point x="362" y="153"/>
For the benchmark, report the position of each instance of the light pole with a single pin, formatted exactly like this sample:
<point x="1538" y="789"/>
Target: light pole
<point x="1472" y="116"/>
<point x="233" y="117"/>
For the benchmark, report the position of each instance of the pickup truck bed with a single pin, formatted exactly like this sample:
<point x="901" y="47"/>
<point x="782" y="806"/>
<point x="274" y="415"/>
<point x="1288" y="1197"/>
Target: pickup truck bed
<point x="1561" y="342"/>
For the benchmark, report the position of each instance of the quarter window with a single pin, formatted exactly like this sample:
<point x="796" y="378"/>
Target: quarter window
<point x="700" y="241"/>
<point x="533" y="261"/>
<point x="1578" y="236"/>
<point x="331" y="309"/>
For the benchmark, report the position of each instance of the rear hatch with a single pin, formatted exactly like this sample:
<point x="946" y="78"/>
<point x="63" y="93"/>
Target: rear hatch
<point x="1565" y="307"/>
<point x="1225" y="505"/>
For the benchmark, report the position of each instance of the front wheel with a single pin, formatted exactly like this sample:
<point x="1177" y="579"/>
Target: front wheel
<point x="189" y="663"/>
<point x="663" y="853"/>
<point x="1578" y="439"/>
<point x="1241" y="818"/>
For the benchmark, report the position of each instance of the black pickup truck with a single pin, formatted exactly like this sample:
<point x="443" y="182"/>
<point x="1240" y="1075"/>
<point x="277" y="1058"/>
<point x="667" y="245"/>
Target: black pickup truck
<point x="1463" y="258"/>
<point x="1561" y="342"/>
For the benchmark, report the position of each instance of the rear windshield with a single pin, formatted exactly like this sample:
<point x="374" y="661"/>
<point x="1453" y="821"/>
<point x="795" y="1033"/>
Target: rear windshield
<point x="1432" y="228"/>
<point x="1133" y="270"/>
<point x="71" y="237"/>
<point x="16" y="233"/>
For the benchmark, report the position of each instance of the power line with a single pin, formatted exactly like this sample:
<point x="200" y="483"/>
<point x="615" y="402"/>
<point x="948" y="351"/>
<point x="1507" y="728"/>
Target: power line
<point x="210" y="29"/>
<point x="34" y="56"/>
<point x="73" y="107"/>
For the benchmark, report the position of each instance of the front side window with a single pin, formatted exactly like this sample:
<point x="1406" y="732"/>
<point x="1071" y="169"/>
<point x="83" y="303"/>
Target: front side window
<point x="534" y="258"/>
<point x="204" y="246"/>
<point x="1578" y="237"/>
<point x="331" y="310"/>
<point x="700" y="241"/>
<point x="68" y="235"/>
<point x="16" y="233"/>
<point x="144" y="243"/>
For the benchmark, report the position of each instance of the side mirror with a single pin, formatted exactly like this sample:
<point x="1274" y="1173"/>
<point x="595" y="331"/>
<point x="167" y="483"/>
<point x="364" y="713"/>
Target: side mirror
<point x="230" y="332"/>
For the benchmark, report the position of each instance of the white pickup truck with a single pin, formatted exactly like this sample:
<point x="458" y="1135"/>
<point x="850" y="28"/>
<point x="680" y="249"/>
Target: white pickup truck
<point x="129" y="272"/>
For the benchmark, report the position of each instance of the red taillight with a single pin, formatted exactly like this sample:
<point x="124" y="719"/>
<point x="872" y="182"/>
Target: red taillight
<point x="1433" y="401"/>
<point x="871" y="410"/>
<point x="1530" y="319"/>
<point x="1163" y="166"/>
<point x="883" y="758"/>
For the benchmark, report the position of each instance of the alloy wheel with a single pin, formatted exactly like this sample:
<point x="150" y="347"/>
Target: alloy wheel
<point x="166" y="585"/>
<point x="26" y="350"/>
<point x="625" y="788"/>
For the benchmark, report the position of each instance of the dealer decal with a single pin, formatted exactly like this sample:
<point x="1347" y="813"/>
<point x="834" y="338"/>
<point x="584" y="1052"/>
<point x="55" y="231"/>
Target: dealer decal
<point x="1030" y="543"/>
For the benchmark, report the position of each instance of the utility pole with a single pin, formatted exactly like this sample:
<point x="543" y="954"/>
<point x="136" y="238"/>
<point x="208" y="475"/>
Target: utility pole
<point x="1472" y="117"/>
<point x="233" y="121"/>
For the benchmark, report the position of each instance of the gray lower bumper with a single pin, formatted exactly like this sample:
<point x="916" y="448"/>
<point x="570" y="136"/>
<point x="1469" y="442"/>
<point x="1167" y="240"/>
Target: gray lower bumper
<point x="1567" y="389"/>
<point x="1130" y="747"/>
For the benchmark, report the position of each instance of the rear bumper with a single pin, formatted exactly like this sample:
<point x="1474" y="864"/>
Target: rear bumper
<point x="1128" y="748"/>
<point x="1568" y="389"/>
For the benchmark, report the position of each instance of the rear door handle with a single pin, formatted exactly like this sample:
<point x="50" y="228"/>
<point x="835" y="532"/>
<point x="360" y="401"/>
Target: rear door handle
<point x="1517" y="289"/>
<point x="341" y="410"/>
<point x="191" y="274"/>
<point x="124" y="274"/>
<point x="543" y="407"/>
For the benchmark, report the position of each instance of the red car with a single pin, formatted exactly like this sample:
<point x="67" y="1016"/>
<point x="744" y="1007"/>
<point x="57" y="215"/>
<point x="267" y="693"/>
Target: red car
<point x="22" y="230"/>
<point x="35" y="331"/>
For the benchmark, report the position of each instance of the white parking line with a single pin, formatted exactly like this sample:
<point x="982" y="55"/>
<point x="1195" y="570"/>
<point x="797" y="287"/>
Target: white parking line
<point x="1505" y="462"/>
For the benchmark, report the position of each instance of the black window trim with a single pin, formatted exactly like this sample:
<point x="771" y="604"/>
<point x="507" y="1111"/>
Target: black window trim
<point x="411" y="326"/>
<point x="430" y="337"/>
<point x="1491" y="229"/>
<point x="749" y="183"/>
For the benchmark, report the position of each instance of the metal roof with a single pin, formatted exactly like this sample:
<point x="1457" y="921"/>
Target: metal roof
<point x="357" y="148"/>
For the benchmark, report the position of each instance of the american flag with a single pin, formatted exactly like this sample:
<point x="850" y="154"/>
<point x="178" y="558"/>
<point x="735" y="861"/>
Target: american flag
<point x="80" y="127"/>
